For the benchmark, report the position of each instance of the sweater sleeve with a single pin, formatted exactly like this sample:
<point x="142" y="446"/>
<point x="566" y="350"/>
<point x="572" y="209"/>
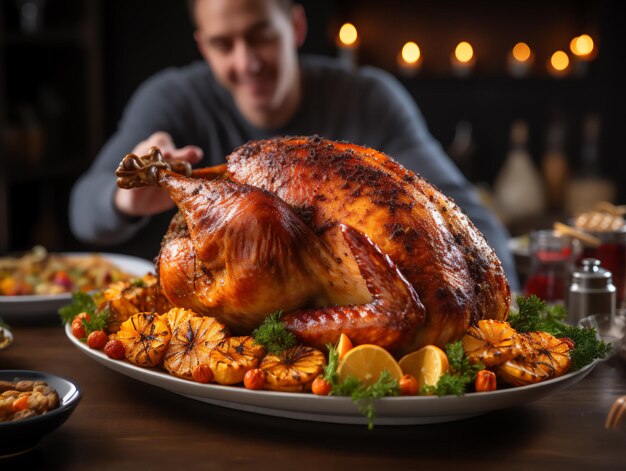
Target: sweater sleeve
<point x="92" y="215"/>
<point x="403" y="134"/>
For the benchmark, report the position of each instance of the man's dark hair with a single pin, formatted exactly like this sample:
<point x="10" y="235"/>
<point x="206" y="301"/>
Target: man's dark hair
<point x="191" y="8"/>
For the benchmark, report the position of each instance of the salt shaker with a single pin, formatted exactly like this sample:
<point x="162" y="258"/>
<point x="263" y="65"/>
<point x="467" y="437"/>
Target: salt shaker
<point x="591" y="292"/>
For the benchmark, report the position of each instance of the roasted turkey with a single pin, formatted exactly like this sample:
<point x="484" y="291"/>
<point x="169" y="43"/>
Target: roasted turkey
<point x="341" y="238"/>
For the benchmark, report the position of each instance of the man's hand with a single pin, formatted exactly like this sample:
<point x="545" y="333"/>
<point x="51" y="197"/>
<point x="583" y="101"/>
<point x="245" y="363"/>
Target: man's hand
<point x="150" y="200"/>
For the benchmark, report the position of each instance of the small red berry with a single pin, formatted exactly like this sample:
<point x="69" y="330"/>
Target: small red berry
<point x="254" y="379"/>
<point x="408" y="385"/>
<point x="115" y="349"/>
<point x="97" y="339"/>
<point x="78" y="328"/>
<point x="202" y="373"/>
<point x="321" y="387"/>
<point x="78" y="325"/>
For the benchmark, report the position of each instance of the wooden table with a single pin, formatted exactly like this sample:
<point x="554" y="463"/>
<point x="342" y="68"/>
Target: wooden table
<point x="123" y="424"/>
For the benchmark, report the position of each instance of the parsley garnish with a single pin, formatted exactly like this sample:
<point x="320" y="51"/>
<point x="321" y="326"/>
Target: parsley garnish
<point x="330" y="370"/>
<point x="81" y="302"/>
<point x="362" y="396"/>
<point x="460" y="375"/>
<point x="273" y="334"/>
<point x="98" y="321"/>
<point x="535" y="314"/>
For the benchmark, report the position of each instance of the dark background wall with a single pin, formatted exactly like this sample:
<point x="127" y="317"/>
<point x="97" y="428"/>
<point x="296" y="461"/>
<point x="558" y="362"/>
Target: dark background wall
<point x="140" y="41"/>
<point x="92" y="54"/>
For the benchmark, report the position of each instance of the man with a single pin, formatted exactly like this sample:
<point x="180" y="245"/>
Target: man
<point x="254" y="85"/>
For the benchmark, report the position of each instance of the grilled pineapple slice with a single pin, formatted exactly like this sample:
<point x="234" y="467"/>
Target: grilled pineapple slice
<point x="293" y="370"/>
<point x="145" y="337"/>
<point x="125" y="298"/>
<point x="543" y="357"/>
<point x="491" y="341"/>
<point x="192" y="340"/>
<point x="233" y="357"/>
<point x="176" y="315"/>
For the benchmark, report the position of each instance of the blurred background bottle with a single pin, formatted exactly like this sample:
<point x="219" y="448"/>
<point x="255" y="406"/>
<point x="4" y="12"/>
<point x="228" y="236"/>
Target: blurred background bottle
<point x="589" y="185"/>
<point x="555" y="165"/>
<point x="519" y="189"/>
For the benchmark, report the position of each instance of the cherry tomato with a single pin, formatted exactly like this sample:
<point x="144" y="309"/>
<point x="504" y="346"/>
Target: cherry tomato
<point x="254" y="379"/>
<point x="78" y="329"/>
<point x="321" y="387"/>
<point x="485" y="381"/>
<point x="97" y="339"/>
<point x="408" y="385"/>
<point x="202" y="374"/>
<point x="115" y="349"/>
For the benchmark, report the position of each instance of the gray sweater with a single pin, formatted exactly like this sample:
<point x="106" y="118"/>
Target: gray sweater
<point x="366" y="106"/>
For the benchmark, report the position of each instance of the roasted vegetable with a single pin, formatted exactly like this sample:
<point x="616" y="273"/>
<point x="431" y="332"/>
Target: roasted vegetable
<point x="192" y="341"/>
<point x="294" y="369"/>
<point x="491" y="342"/>
<point x="145" y="337"/>
<point x="543" y="357"/>
<point x="233" y="357"/>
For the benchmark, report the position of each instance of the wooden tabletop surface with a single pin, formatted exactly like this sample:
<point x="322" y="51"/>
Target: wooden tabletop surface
<point x="124" y="424"/>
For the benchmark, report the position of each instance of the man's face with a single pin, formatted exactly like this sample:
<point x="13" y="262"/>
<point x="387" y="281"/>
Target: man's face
<point x="251" y="47"/>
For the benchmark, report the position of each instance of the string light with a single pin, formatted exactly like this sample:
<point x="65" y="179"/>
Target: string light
<point x="409" y="59"/>
<point x="520" y="59"/>
<point x="348" y="35"/>
<point x="559" y="64"/>
<point x="348" y="44"/>
<point x="463" y="59"/>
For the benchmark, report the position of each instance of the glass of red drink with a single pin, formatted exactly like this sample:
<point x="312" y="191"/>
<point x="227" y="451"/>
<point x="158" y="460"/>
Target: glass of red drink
<point x="612" y="255"/>
<point x="552" y="261"/>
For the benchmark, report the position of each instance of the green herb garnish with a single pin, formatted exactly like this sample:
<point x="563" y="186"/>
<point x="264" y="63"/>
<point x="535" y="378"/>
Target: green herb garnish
<point x="461" y="373"/>
<point x="364" y="396"/>
<point x="81" y="302"/>
<point x="97" y="321"/>
<point x="330" y="370"/>
<point x="273" y="334"/>
<point x="535" y="314"/>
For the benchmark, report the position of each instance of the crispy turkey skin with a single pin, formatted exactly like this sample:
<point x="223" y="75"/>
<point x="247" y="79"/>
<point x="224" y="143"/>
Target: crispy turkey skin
<point x="340" y="237"/>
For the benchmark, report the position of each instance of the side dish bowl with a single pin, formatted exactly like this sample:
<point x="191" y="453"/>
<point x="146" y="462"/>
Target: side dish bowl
<point x="20" y="436"/>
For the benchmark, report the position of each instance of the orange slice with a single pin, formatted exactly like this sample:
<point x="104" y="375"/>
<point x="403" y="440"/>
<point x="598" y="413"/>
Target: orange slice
<point x="366" y="362"/>
<point x="344" y="345"/>
<point x="427" y="364"/>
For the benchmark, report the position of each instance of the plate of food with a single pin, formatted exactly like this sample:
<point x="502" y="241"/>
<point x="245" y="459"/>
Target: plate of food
<point x="39" y="282"/>
<point x="403" y="410"/>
